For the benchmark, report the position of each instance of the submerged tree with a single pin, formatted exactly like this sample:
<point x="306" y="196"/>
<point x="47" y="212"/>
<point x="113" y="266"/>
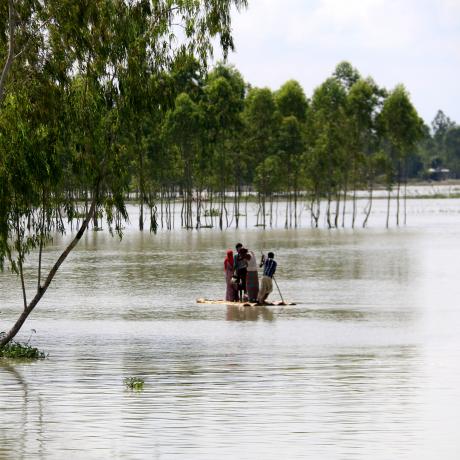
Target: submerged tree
<point x="402" y="128"/>
<point x="84" y="49"/>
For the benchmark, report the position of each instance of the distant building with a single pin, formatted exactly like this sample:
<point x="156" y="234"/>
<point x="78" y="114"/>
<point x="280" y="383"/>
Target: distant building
<point x="439" y="173"/>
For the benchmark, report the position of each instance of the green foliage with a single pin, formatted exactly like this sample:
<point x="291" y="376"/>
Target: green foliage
<point x="400" y="122"/>
<point x="16" y="350"/>
<point x="81" y="95"/>
<point x="134" y="383"/>
<point x="291" y="101"/>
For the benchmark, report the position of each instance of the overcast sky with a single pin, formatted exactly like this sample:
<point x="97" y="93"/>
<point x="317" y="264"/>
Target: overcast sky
<point x="414" y="42"/>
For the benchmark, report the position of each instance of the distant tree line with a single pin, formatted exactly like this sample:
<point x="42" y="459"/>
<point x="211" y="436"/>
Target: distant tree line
<point x="106" y="100"/>
<point x="85" y="89"/>
<point x="439" y="148"/>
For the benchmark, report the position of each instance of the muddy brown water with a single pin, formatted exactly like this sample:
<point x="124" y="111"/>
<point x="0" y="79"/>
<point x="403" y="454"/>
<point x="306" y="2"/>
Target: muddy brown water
<point x="366" y="365"/>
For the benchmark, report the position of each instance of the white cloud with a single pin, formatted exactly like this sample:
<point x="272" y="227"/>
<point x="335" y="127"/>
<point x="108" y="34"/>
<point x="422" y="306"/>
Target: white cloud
<point x="416" y="42"/>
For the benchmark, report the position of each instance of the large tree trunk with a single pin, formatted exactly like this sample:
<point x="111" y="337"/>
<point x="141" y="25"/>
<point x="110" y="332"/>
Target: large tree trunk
<point x="41" y="291"/>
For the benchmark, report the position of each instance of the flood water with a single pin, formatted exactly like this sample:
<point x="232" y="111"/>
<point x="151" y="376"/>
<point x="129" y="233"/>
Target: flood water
<point x="366" y="365"/>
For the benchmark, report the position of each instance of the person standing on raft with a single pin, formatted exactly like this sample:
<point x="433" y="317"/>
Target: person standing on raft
<point x="252" y="278"/>
<point x="240" y="267"/>
<point x="231" y="293"/>
<point x="266" y="285"/>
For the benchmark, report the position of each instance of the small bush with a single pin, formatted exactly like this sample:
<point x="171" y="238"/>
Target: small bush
<point x="16" y="350"/>
<point x="213" y="212"/>
<point x="134" y="383"/>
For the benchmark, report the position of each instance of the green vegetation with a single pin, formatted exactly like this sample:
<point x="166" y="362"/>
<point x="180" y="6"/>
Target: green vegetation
<point x="110" y="100"/>
<point x="85" y="92"/>
<point x="134" y="383"/>
<point x="16" y="350"/>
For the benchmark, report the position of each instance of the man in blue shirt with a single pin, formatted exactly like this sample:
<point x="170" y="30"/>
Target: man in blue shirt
<point x="266" y="285"/>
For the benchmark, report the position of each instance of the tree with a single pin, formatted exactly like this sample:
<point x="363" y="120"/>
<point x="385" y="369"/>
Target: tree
<point x="223" y="104"/>
<point x="291" y="101"/>
<point x="402" y="129"/>
<point x="261" y="121"/>
<point x="85" y="49"/>
<point x="452" y="145"/>
<point x="183" y="126"/>
<point x="292" y="105"/>
<point x="363" y="100"/>
<point x="346" y="75"/>
<point x="290" y="147"/>
<point x="326" y="131"/>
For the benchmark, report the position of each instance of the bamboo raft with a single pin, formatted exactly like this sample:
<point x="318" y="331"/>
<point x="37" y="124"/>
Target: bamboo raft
<point x="243" y="304"/>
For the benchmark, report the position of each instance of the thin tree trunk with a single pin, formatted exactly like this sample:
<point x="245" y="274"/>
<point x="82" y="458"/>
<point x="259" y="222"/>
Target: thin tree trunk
<point x="353" y="217"/>
<point x="20" y="255"/>
<point x="40" y="250"/>
<point x="328" y="210"/>
<point x="345" y="190"/>
<point x="29" y="308"/>
<point x="405" y="193"/>
<point x="368" y="213"/>
<point x="388" y="208"/>
<point x="337" y="211"/>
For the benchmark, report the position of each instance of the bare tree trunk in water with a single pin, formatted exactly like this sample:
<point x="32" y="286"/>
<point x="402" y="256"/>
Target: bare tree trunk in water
<point x="246" y="208"/>
<point x="345" y="190"/>
<point x="40" y="249"/>
<point x="271" y="210"/>
<point x="258" y="210"/>
<point x="328" y="209"/>
<point x="405" y="193"/>
<point x="353" y="217"/>
<point x="368" y="213"/>
<point x="286" y="212"/>
<point x="295" y="204"/>
<point x="315" y="214"/>
<point x="29" y="308"/>
<point x="141" y="182"/>
<point x="337" y="211"/>
<point x="388" y="208"/>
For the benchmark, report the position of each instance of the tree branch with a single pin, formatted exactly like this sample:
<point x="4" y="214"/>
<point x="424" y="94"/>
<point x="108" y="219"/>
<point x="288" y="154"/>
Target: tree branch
<point x="10" y="57"/>
<point x="26" y="312"/>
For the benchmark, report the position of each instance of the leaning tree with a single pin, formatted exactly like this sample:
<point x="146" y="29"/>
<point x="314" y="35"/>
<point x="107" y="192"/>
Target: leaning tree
<point x="62" y="103"/>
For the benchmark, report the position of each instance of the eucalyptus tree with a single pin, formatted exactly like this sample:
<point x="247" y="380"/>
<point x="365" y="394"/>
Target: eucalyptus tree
<point x="364" y="99"/>
<point x="326" y="131"/>
<point x="183" y="126"/>
<point x="82" y="47"/>
<point x="377" y="164"/>
<point x="223" y="104"/>
<point x="261" y="120"/>
<point x="290" y="145"/>
<point x="267" y="180"/>
<point x="346" y="75"/>
<point x="292" y="101"/>
<point x="440" y="125"/>
<point x="292" y="105"/>
<point x="452" y="146"/>
<point x="402" y="128"/>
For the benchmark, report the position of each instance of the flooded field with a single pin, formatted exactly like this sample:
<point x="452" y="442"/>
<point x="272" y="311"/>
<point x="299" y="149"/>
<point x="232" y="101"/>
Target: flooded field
<point x="364" y="366"/>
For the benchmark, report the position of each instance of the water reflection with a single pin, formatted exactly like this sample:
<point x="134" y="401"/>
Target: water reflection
<point x="364" y="366"/>
<point x="249" y="313"/>
<point x="24" y="406"/>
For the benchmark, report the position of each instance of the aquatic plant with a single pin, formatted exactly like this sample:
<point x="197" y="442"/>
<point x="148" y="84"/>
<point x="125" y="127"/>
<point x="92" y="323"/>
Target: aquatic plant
<point x="134" y="383"/>
<point x="16" y="350"/>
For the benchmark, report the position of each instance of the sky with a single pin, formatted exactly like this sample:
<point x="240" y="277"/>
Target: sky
<point x="413" y="42"/>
